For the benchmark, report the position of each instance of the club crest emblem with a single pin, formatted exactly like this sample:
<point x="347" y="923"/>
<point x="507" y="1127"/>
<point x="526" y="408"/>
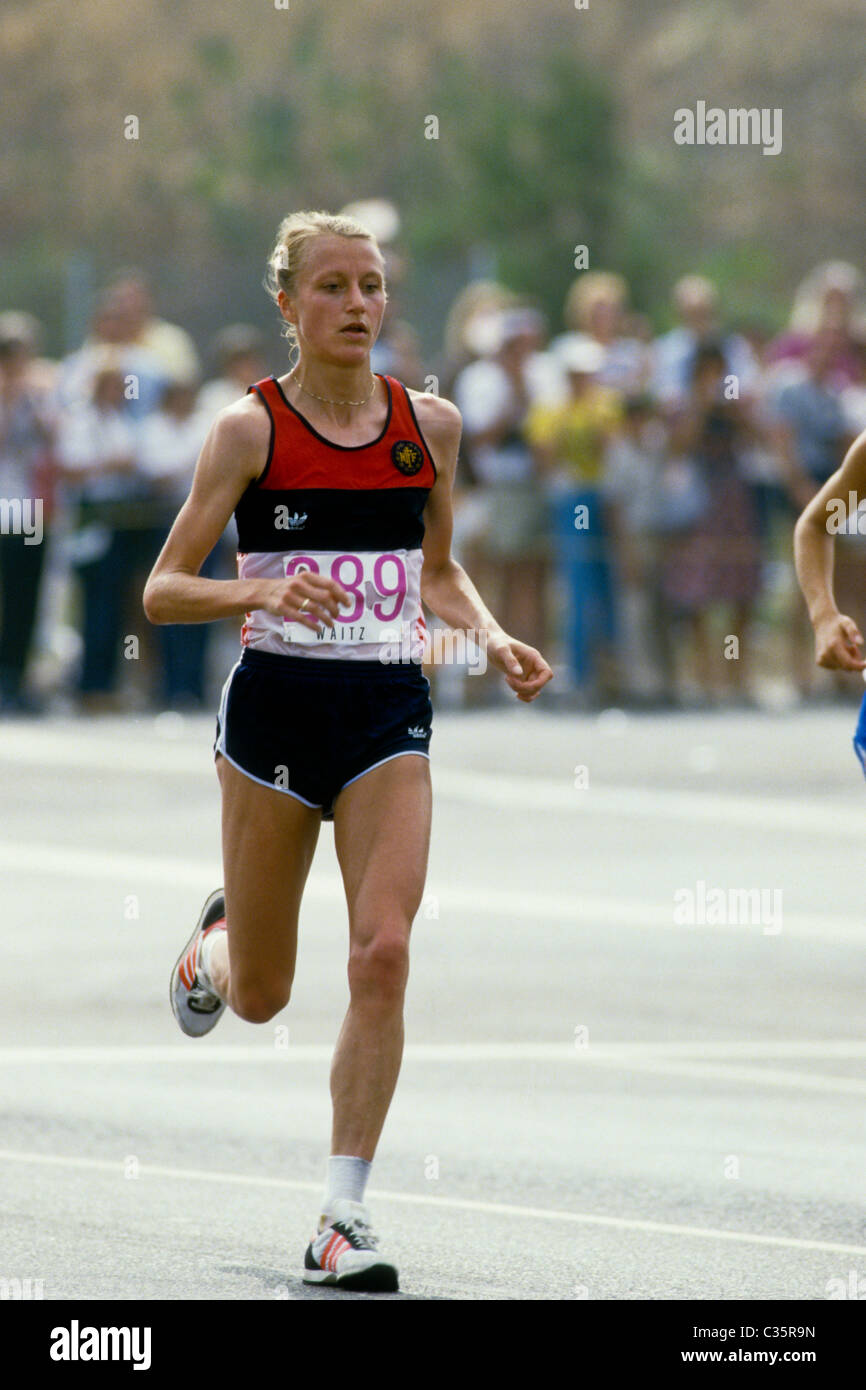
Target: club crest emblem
<point x="407" y="457"/>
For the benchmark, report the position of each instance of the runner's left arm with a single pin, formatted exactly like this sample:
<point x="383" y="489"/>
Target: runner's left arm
<point x="838" y="640"/>
<point x="446" y="588"/>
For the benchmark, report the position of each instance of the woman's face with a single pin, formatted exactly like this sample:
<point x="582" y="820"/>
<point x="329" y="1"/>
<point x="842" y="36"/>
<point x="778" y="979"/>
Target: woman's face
<point x="835" y="309"/>
<point x="339" y="299"/>
<point x="15" y="358"/>
<point x="708" y="380"/>
<point x="604" y="319"/>
<point x="108" y="390"/>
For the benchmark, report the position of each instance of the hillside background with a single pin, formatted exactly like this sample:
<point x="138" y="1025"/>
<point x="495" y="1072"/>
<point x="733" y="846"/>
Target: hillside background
<point x="555" y="128"/>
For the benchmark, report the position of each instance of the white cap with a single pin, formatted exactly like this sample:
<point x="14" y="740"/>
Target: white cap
<point x="481" y="333"/>
<point x="378" y="215"/>
<point x="580" y="353"/>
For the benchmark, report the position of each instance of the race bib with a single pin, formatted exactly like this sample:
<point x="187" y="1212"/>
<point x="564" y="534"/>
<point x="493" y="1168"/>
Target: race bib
<point x="378" y="583"/>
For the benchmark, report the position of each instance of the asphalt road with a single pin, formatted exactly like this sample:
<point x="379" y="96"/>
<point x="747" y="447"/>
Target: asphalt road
<point x="599" y="1099"/>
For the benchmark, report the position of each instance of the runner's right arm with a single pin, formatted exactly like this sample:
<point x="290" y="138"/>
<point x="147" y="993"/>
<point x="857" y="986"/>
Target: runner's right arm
<point x="232" y="457"/>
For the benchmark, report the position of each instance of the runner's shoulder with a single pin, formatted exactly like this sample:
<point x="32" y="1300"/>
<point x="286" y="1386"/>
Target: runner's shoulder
<point x="241" y="434"/>
<point x="438" y="419"/>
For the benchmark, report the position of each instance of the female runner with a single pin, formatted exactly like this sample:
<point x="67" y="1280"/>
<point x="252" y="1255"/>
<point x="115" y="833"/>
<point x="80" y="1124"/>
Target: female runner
<point x="340" y="481"/>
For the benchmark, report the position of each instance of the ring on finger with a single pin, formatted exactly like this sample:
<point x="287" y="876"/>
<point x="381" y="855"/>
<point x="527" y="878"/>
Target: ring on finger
<point x="305" y="605"/>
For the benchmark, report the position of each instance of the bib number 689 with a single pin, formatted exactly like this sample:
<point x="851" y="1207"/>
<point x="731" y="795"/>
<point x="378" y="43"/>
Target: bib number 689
<point x="372" y="581"/>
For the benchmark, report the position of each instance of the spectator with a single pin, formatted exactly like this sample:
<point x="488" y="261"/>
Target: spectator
<point x="715" y="558"/>
<point x="26" y="438"/>
<point x="239" y="352"/>
<point x="812" y="432"/>
<point x="129" y="295"/>
<point x="853" y="396"/>
<point x="472" y="327"/>
<point x="493" y="396"/>
<point x="674" y="353"/>
<point x="169" y="443"/>
<point x="596" y="306"/>
<point x="96" y="451"/>
<point x="759" y="462"/>
<point x="471" y="331"/>
<point x="144" y="376"/>
<point x="633" y="465"/>
<point x="830" y="299"/>
<point x="569" y="442"/>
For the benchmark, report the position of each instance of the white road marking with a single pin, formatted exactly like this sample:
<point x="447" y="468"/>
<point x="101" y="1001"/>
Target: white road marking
<point x="621" y="1223"/>
<point x="712" y="1049"/>
<point x="752" y="1077"/>
<point x="576" y="909"/>
<point x="85" y="862"/>
<point x="640" y="802"/>
<point x="697" y="1061"/>
<point x="139" y="751"/>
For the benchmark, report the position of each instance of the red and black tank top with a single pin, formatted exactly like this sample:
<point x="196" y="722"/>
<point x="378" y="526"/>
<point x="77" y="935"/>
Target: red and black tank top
<point x="353" y="512"/>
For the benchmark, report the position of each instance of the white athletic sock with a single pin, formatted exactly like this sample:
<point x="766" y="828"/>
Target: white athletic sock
<point x="347" y="1177"/>
<point x="204" y="955"/>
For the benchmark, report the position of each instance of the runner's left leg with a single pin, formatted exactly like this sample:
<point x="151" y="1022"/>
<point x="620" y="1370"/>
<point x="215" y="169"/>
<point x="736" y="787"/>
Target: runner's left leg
<point x="382" y="837"/>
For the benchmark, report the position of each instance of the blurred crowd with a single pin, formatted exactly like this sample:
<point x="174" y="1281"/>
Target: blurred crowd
<point x="630" y="497"/>
<point x="624" y="500"/>
<point x="107" y="441"/>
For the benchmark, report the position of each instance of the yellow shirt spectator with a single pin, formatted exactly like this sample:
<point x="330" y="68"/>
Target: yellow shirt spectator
<point x="574" y="434"/>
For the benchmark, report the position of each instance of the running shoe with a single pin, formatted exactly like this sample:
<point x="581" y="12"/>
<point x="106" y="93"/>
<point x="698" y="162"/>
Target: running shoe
<point x="344" y="1252"/>
<point x="196" y="1008"/>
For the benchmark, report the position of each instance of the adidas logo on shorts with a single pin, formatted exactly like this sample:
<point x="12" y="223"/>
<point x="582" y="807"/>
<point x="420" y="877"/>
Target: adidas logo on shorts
<point x="416" y="732"/>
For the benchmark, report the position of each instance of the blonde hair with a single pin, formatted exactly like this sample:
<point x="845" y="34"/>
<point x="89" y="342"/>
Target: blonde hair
<point x="589" y="289"/>
<point x="809" y="296"/>
<point x="477" y="298"/>
<point x="287" y="258"/>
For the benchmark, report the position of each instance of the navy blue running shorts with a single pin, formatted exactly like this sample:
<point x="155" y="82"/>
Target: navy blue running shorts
<point x="308" y="727"/>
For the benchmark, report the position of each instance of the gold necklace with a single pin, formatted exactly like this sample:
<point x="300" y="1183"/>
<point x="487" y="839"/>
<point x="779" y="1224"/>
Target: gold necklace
<point x="325" y="400"/>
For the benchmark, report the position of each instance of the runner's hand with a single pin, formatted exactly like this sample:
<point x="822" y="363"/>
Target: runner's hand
<point x="526" y="670"/>
<point x="837" y="643"/>
<point x="323" y="598"/>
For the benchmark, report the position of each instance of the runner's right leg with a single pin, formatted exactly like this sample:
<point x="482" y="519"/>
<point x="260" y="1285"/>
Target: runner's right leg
<point x="269" y="839"/>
